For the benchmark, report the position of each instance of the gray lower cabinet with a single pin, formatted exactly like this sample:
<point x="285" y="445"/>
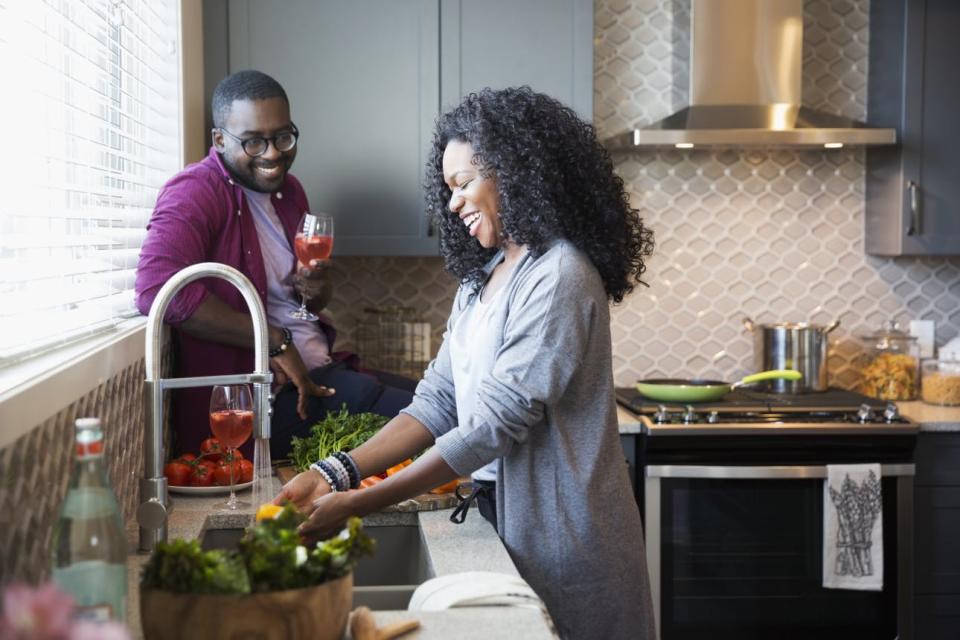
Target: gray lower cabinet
<point x="937" y="536"/>
<point x="913" y="190"/>
<point x="368" y="78"/>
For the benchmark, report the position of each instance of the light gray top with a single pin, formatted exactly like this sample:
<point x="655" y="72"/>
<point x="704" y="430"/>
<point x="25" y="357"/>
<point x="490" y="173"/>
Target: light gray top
<point x="472" y="357"/>
<point x="566" y="511"/>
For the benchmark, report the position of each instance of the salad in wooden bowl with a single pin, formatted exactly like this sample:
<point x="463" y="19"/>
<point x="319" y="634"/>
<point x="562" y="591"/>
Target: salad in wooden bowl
<point x="272" y="586"/>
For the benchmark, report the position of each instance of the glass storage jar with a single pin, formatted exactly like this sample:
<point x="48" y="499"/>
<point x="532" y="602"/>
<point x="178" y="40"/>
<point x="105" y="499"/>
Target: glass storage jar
<point x="940" y="382"/>
<point x="892" y="371"/>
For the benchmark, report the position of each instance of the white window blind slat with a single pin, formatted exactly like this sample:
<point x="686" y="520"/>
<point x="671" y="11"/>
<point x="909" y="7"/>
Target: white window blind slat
<point x="95" y="107"/>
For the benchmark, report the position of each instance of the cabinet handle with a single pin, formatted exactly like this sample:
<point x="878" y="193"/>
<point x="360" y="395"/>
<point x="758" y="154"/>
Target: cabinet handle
<point x="914" y="189"/>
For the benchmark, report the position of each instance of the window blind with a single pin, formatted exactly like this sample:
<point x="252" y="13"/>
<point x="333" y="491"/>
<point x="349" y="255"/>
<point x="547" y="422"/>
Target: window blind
<point x="92" y="116"/>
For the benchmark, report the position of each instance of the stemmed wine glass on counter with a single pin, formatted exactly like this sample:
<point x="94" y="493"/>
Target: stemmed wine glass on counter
<point x="231" y="421"/>
<point x="314" y="241"/>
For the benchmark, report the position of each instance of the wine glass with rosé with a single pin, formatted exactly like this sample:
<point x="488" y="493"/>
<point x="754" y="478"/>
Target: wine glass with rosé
<point x="231" y="421"/>
<point x="314" y="241"/>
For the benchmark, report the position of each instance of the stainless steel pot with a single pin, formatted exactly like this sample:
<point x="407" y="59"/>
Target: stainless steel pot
<point x="792" y="345"/>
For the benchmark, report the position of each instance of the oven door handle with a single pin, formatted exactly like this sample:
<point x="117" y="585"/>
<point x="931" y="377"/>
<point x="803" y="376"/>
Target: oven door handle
<point x="720" y="472"/>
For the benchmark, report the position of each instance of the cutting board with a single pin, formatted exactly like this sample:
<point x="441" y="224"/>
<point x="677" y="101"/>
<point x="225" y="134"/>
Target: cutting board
<point x="423" y="502"/>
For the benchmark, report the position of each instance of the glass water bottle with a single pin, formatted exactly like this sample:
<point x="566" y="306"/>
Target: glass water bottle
<point x="89" y="544"/>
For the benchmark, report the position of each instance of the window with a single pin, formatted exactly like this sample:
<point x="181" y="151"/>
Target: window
<point x="91" y="116"/>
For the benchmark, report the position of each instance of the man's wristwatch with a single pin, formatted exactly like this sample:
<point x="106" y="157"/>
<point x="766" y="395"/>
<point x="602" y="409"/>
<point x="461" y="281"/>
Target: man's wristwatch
<point x="280" y="348"/>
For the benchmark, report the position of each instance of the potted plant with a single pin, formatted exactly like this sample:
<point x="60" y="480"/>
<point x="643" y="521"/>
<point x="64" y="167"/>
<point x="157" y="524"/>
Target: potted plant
<point x="272" y="586"/>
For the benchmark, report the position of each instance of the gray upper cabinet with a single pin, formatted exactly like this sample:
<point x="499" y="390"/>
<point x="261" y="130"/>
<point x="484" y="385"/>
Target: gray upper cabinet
<point x="368" y="78"/>
<point x="913" y="191"/>
<point x="547" y="44"/>
<point x="364" y="86"/>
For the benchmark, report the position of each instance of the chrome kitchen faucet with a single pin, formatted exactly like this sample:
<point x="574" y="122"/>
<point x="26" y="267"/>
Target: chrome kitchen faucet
<point x="154" y="505"/>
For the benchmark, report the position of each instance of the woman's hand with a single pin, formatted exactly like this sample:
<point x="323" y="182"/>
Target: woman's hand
<point x="329" y="516"/>
<point x="303" y="491"/>
<point x="289" y="365"/>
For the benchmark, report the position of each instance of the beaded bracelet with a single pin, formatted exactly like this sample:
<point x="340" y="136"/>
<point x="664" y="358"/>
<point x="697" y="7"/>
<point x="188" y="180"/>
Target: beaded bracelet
<point x="352" y="469"/>
<point x="323" y="474"/>
<point x="280" y="348"/>
<point x="343" y="478"/>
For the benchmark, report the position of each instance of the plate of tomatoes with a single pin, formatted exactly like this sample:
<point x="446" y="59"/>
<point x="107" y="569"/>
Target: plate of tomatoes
<point x="208" y="473"/>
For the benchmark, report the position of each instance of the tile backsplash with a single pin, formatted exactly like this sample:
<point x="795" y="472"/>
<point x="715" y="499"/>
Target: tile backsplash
<point x="776" y="235"/>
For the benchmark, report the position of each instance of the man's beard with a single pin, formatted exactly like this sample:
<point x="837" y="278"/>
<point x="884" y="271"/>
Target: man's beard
<point x="250" y="178"/>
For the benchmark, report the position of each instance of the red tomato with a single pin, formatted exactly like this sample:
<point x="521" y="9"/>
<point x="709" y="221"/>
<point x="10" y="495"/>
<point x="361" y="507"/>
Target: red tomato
<point x="209" y="464"/>
<point x="211" y="449"/>
<point x="178" y="473"/>
<point x="222" y="474"/>
<point x="246" y="471"/>
<point x="201" y="476"/>
<point x="187" y="457"/>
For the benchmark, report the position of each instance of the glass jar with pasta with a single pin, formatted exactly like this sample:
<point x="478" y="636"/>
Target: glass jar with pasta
<point x="940" y="383"/>
<point x="892" y="369"/>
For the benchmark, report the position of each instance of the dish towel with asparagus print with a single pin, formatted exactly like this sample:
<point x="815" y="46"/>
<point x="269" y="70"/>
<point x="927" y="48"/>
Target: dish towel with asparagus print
<point x="853" y="528"/>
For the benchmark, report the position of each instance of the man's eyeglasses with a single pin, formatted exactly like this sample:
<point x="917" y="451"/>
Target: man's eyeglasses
<point x="257" y="146"/>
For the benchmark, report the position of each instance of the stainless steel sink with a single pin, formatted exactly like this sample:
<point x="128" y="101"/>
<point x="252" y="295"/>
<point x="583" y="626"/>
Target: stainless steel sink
<point x="383" y="581"/>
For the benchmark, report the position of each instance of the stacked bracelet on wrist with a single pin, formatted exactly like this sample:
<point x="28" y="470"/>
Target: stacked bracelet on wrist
<point x="339" y="470"/>
<point x="280" y="348"/>
<point x="352" y="470"/>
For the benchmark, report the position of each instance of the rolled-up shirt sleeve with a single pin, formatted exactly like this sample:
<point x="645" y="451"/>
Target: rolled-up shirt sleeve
<point x="549" y="328"/>
<point x="180" y="233"/>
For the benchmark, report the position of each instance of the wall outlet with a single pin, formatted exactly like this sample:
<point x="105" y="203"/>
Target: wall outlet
<point x="924" y="331"/>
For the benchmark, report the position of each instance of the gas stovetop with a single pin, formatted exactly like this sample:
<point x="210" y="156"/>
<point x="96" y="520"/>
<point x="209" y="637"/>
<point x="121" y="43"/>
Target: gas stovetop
<point x="834" y="411"/>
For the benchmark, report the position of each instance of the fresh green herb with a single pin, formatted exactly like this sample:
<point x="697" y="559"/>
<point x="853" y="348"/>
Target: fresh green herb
<point x="336" y="432"/>
<point x="180" y="566"/>
<point x="271" y="557"/>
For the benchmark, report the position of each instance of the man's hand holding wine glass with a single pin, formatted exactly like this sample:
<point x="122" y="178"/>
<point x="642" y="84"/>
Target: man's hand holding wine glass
<point x="312" y="283"/>
<point x="313" y="245"/>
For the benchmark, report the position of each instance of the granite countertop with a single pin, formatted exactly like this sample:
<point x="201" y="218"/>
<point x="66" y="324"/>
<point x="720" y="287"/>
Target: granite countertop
<point x="451" y="548"/>
<point x="931" y="417"/>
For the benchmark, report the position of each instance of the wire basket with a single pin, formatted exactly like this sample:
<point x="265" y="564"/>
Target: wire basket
<point x="394" y="339"/>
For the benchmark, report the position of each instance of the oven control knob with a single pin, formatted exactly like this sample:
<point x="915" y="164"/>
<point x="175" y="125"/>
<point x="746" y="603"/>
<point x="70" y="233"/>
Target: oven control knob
<point x="864" y="414"/>
<point x="891" y="413"/>
<point x="713" y="417"/>
<point x="689" y="415"/>
<point x="661" y="415"/>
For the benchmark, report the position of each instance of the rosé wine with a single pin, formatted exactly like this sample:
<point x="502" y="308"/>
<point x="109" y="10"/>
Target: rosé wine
<point x="232" y="427"/>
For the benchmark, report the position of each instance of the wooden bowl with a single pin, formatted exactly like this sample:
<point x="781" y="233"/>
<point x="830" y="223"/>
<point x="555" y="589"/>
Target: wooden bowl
<point x="317" y="613"/>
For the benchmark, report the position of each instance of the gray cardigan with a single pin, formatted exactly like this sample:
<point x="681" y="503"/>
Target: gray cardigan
<point x="565" y="507"/>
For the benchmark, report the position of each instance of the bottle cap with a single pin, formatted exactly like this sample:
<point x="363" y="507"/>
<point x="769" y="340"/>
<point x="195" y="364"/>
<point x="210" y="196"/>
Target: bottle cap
<point x="89" y="441"/>
<point x="87" y="423"/>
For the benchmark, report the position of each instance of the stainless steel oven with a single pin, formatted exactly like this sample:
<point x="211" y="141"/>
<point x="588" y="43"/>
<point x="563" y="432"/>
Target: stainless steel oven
<point x="732" y="499"/>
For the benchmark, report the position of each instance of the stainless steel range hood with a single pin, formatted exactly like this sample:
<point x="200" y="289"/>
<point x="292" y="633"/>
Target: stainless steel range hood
<point x="745" y="62"/>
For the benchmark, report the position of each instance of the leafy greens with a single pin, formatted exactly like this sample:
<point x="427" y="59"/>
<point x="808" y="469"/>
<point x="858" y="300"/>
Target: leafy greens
<point x="271" y="557"/>
<point x="336" y="432"/>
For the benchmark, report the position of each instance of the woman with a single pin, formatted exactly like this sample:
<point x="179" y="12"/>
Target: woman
<point x="538" y="229"/>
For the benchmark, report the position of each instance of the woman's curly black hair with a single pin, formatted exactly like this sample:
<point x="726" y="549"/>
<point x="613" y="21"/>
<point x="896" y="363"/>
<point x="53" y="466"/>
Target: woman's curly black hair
<point x="554" y="181"/>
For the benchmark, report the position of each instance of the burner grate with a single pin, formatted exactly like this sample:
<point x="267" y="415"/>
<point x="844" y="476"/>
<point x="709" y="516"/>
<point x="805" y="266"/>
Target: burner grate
<point x="744" y="401"/>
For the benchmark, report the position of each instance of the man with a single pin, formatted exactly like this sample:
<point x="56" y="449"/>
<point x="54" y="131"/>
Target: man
<point x="240" y="206"/>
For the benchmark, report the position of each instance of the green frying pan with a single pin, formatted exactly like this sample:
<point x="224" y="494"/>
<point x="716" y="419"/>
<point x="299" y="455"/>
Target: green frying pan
<point x="675" y="390"/>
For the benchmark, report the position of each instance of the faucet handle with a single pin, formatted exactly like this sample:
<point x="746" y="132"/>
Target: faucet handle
<point x="152" y="514"/>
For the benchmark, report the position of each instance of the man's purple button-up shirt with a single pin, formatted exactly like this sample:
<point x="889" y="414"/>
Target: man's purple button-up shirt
<point x="201" y="215"/>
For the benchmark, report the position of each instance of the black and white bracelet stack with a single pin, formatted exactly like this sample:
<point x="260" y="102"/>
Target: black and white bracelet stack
<point x="339" y="470"/>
